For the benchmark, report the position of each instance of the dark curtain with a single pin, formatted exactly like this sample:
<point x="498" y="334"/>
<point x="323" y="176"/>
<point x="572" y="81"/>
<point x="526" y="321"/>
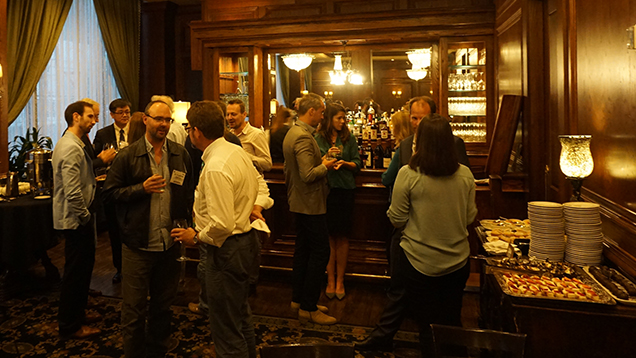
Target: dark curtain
<point x="283" y="75"/>
<point x="33" y="28"/>
<point x="308" y="78"/>
<point x="119" y="24"/>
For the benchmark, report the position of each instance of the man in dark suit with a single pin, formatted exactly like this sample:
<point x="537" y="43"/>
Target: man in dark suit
<point x="117" y="135"/>
<point x="381" y="338"/>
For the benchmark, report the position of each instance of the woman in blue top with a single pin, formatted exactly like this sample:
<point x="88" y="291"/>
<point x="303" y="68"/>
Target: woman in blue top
<point x="334" y="138"/>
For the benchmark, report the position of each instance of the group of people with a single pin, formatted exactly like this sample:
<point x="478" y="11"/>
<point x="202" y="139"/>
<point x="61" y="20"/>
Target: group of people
<point x="152" y="187"/>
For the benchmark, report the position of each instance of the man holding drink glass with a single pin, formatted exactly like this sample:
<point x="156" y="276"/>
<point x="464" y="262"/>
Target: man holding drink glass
<point x="151" y="184"/>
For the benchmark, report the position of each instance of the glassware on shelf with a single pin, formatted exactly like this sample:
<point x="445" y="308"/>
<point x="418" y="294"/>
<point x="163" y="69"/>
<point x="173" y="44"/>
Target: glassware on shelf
<point x="470" y="132"/>
<point x="471" y="81"/>
<point x="467" y="106"/>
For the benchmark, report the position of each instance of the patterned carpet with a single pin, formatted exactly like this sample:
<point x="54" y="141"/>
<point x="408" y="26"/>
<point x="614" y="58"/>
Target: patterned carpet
<point x="28" y="328"/>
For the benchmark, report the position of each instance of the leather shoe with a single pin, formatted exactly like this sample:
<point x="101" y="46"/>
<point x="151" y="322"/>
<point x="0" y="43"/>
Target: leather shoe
<point x="295" y="306"/>
<point x="374" y="344"/>
<point x="330" y="295"/>
<point x="340" y="296"/>
<point x="94" y="302"/>
<point x="92" y="317"/>
<point x="315" y="317"/>
<point x="195" y="308"/>
<point x="94" y="293"/>
<point x="117" y="277"/>
<point x="83" y="332"/>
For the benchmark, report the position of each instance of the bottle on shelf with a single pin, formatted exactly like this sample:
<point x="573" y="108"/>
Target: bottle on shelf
<point x="373" y="131"/>
<point x="388" y="155"/>
<point x="369" y="157"/>
<point x="378" y="157"/>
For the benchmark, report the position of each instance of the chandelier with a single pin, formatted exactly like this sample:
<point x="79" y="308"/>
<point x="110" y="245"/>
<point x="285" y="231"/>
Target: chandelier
<point x="421" y="60"/>
<point x="339" y="76"/>
<point x="297" y="61"/>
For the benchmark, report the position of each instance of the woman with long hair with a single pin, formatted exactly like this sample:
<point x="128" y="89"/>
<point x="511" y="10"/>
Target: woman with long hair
<point x="434" y="200"/>
<point x="137" y="127"/>
<point x="402" y="128"/>
<point x="334" y="138"/>
<point x="277" y="132"/>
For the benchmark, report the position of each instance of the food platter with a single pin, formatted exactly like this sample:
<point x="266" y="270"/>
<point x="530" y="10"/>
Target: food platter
<point x="582" y="289"/>
<point x="632" y="299"/>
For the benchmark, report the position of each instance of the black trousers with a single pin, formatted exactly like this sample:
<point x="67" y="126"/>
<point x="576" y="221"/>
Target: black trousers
<point x="79" y="251"/>
<point x="113" y="234"/>
<point x="311" y="255"/>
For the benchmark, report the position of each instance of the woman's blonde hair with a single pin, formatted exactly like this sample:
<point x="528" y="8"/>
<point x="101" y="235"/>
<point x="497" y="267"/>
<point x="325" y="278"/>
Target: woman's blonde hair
<point x="401" y="126"/>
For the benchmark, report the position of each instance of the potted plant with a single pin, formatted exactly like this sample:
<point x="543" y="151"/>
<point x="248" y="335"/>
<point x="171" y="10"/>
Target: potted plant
<point x="21" y="145"/>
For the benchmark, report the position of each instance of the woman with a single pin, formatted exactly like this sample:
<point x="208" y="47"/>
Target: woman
<point x="434" y="199"/>
<point x="137" y="127"/>
<point x="402" y="128"/>
<point x="334" y="138"/>
<point x="277" y="132"/>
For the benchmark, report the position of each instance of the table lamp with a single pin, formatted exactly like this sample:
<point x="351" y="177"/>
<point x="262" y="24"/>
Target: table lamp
<point x="576" y="161"/>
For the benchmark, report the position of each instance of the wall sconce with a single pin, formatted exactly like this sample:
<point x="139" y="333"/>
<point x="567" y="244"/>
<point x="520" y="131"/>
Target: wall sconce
<point x="630" y="37"/>
<point x="576" y="161"/>
<point x="397" y="94"/>
<point x="328" y="94"/>
<point x="304" y="92"/>
<point x="180" y="111"/>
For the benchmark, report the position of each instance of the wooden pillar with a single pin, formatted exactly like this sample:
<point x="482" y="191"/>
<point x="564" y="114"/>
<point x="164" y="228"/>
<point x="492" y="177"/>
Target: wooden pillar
<point x="211" y="73"/>
<point x="257" y="64"/>
<point x="157" y="57"/>
<point x="4" y="103"/>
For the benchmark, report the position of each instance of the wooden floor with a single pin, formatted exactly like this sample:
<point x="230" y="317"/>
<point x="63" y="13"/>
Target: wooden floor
<point x="362" y="305"/>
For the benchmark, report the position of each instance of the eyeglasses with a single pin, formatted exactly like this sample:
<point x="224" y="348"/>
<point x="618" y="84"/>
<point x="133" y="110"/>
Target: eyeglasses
<point x="161" y="119"/>
<point x="187" y="127"/>
<point x="119" y="113"/>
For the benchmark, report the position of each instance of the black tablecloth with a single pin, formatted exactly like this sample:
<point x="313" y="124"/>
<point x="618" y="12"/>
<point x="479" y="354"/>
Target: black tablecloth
<point x="26" y="228"/>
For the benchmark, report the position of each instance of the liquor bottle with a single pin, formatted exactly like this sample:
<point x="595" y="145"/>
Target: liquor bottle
<point x="388" y="155"/>
<point x="378" y="157"/>
<point x="369" y="157"/>
<point x="365" y="132"/>
<point x="363" y="155"/>
<point x="374" y="132"/>
<point x="384" y="129"/>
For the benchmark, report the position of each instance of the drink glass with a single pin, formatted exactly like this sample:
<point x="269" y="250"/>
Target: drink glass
<point x="181" y="224"/>
<point x="339" y="153"/>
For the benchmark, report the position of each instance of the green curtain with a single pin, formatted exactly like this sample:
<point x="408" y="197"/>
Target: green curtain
<point x="119" y="23"/>
<point x="33" y="28"/>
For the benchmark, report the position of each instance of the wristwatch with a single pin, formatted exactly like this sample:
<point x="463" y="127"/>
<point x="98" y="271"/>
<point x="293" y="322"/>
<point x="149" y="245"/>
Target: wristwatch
<point x="195" y="239"/>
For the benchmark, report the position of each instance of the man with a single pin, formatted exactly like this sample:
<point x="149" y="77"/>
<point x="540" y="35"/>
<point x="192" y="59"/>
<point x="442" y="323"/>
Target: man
<point x="252" y="139"/>
<point x="306" y="180"/>
<point x="381" y="338"/>
<point x="105" y="157"/>
<point x="419" y="107"/>
<point x="151" y="184"/>
<point x="73" y="196"/>
<point x="225" y="198"/>
<point x="115" y="134"/>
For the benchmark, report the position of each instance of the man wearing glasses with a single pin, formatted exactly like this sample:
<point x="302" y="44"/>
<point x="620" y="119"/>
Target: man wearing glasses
<point x="151" y="184"/>
<point x="109" y="139"/>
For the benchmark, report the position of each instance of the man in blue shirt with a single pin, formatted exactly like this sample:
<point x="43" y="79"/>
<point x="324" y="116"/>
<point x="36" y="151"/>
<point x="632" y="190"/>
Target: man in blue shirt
<point x="73" y="196"/>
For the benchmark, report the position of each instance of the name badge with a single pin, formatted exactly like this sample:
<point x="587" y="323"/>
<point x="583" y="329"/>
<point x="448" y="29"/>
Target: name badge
<point x="177" y="177"/>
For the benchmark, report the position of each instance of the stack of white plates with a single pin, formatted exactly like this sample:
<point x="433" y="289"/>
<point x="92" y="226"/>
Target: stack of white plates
<point x="585" y="238"/>
<point x="547" y="228"/>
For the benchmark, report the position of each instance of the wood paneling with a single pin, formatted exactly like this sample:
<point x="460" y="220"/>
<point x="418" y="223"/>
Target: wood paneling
<point x="157" y="60"/>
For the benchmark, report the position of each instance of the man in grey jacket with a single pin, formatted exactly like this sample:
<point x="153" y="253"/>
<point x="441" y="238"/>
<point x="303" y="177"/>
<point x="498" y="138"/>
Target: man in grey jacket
<point x="306" y="179"/>
<point x="73" y="196"/>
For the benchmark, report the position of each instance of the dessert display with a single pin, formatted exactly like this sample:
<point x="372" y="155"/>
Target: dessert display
<point x="570" y="289"/>
<point x="618" y="286"/>
<point x="506" y="229"/>
<point x="535" y="266"/>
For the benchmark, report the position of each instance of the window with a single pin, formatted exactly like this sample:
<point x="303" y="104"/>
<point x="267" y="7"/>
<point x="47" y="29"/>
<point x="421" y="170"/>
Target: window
<point x="78" y="68"/>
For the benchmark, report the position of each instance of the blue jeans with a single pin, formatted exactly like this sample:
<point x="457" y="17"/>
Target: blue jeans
<point x="154" y="274"/>
<point x="226" y="278"/>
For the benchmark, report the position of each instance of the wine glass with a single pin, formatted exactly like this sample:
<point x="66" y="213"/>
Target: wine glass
<point x="181" y="224"/>
<point x="339" y="153"/>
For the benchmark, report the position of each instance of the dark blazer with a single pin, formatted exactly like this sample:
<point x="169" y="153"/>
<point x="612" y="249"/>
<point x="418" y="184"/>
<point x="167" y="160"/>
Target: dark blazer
<point x="103" y="136"/>
<point x="124" y="188"/>
<point x="276" y="144"/>
<point x="406" y="151"/>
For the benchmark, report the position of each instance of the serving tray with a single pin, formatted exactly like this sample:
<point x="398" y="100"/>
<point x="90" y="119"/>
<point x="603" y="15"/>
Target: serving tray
<point x="579" y="289"/>
<point x="632" y="299"/>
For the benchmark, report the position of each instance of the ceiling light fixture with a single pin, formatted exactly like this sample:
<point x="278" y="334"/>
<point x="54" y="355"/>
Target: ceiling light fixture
<point x="339" y="76"/>
<point x="421" y="60"/>
<point x="297" y="61"/>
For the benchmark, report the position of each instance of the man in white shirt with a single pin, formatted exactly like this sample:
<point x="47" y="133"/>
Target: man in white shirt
<point x="252" y="139"/>
<point x="224" y="201"/>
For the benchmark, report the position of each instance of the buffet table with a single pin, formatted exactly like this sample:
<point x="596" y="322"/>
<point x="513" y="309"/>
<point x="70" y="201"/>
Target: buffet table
<point x="26" y="231"/>
<point x="557" y="327"/>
